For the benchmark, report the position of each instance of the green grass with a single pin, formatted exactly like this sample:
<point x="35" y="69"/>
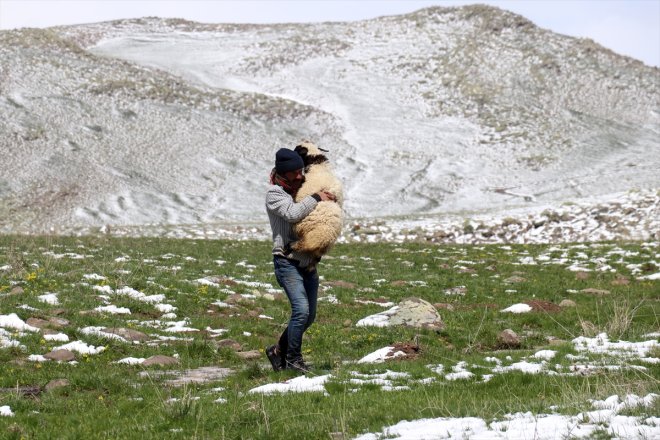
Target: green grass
<point x="109" y="400"/>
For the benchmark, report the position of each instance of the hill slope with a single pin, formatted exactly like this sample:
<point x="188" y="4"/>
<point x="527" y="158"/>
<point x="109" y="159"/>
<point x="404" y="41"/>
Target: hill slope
<point x="446" y="110"/>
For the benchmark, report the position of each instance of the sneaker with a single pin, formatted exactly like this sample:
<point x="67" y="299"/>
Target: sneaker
<point x="274" y="357"/>
<point x="297" y="365"/>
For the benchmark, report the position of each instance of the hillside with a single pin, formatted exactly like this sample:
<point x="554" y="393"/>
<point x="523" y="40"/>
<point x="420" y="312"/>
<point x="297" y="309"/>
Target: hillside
<point x="461" y="111"/>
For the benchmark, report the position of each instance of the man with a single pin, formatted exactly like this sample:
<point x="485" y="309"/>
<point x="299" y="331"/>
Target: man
<point x="295" y="271"/>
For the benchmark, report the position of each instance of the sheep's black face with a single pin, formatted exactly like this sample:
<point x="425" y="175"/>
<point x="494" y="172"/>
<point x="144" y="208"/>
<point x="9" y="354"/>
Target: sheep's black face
<point x="309" y="159"/>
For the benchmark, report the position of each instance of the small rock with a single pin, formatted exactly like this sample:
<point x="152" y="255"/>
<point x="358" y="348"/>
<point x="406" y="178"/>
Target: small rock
<point x="567" y="303"/>
<point x="249" y="355"/>
<point x="234" y="299"/>
<point x="253" y="313"/>
<point x="37" y="322"/>
<point x="56" y="383"/>
<point x="126" y="333"/>
<point x="555" y="341"/>
<point x="49" y="331"/>
<point x="509" y="338"/>
<point x="58" y="322"/>
<point x="160" y="359"/>
<point x="620" y="280"/>
<point x="197" y="376"/>
<point x="60" y="355"/>
<point x="16" y="290"/>
<point x="347" y="323"/>
<point x="582" y="275"/>
<point x="340" y="283"/>
<point x="597" y="292"/>
<point x="398" y="283"/>
<point x="229" y="343"/>
<point x="515" y="279"/>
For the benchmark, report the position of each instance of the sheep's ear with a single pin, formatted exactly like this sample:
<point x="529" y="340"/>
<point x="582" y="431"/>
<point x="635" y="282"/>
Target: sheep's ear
<point x="302" y="151"/>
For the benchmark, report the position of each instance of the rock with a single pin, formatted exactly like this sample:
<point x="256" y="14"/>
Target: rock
<point x="567" y="303"/>
<point x="60" y="355"/>
<point x="597" y="292"/>
<point x="49" y="331"/>
<point x="620" y="280"/>
<point x="199" y="375"/>
<point x="58" y="322"/>
<point x="229" y="343"/>
<point x="234" y="299"/>
<point x="347" y="323"/>
<point x="340" y="283"/>
<point x="398" y="283"/>
<point x="556" y="341"/>
<point x="18" y="290"/>
<point x="249" y="355"/>
<point x="415" y="312"/>
<point x="37" y="322"/>
<point x="508" y="338"/>
<point x="160" y="360"/>
<point x="56" y="383"/>
<point x="582" y="275"/>
<point x="515" y="279"/>
<point x="126" y="333"/>
<point x="253" y="313"/>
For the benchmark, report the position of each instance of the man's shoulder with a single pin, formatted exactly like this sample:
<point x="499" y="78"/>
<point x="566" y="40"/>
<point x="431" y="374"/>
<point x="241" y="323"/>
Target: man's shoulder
<point x="276" y="192"/>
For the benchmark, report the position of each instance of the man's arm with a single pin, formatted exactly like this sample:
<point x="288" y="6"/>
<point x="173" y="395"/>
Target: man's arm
<point x="282" y="205"/>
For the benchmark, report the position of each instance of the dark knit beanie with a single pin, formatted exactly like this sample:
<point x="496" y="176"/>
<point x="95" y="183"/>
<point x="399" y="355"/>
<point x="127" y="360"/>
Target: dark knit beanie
<point x="287" y="160"/>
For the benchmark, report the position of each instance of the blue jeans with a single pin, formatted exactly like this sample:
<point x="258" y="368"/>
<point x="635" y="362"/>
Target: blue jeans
<point x="301" y="287"/>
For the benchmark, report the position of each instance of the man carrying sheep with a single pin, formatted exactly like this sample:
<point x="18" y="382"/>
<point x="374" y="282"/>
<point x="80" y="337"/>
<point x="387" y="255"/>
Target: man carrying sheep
<point x="295" y="271"/>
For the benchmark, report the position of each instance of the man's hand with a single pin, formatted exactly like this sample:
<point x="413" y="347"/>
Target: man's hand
<point x="327" y="197"/>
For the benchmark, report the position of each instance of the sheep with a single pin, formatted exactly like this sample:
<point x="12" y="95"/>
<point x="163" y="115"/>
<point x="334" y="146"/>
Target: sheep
<point x="320" y="229"/>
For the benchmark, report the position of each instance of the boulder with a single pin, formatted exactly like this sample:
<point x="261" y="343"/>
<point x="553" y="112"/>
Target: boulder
<point x="415" y="312"/>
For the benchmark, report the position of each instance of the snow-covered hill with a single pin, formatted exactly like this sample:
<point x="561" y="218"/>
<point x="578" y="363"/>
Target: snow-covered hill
<point x="457" y="111"/>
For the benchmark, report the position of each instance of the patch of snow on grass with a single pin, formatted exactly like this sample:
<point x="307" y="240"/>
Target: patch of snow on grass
<point x="301" y="384"/>
<point x="601" y="344"/>
<point x="528" y="425"/>
<point x="80" y="347"/>
<point x="49" y="298"/>
<point x="518" y="308"/>
<point x="13" y="321"/>
<point x="59" y="337"/>
<point x="380" y="355"/>
<point x="113" y="310"/>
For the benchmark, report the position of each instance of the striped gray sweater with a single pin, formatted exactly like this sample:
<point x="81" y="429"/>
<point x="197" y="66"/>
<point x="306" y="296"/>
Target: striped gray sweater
<point x="283" y="213"/>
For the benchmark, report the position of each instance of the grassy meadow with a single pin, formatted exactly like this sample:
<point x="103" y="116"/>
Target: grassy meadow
<point x="470" y="286"/>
